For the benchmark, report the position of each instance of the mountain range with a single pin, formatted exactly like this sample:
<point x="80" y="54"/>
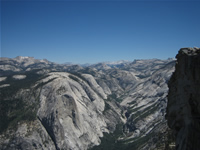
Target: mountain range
<point x="112" y="106"/>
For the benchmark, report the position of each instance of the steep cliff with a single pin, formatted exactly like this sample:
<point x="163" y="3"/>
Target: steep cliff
<point x="183" y="108"/>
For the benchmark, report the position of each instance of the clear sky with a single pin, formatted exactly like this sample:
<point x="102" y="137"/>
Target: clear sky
<point x="83" y="31"/>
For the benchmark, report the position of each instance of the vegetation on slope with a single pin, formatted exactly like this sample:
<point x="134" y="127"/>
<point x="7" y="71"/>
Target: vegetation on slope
<point x="14" y="108"/>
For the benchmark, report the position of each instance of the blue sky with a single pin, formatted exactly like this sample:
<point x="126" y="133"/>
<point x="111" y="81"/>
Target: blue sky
<point x="95" y="31"/>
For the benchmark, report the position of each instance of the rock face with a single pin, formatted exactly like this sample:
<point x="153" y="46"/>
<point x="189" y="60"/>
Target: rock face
<point x="19" y="77"/>
<point x="72" y="112"/>
<point x="183" y="108"/>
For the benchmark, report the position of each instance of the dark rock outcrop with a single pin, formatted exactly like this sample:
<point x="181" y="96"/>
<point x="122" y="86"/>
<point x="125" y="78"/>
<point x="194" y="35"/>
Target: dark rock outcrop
<point x="183" y="108"/>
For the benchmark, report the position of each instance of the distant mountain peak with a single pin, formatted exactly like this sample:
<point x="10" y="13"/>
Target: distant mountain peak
<point x="117" y="62"/>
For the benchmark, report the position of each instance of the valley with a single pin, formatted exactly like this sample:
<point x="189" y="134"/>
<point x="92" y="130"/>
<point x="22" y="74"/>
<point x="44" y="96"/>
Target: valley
<point x="45" y="105"/>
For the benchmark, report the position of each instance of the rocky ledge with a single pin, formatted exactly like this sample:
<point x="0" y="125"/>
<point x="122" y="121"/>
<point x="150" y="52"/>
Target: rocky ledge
<point x="183" y="108"/>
